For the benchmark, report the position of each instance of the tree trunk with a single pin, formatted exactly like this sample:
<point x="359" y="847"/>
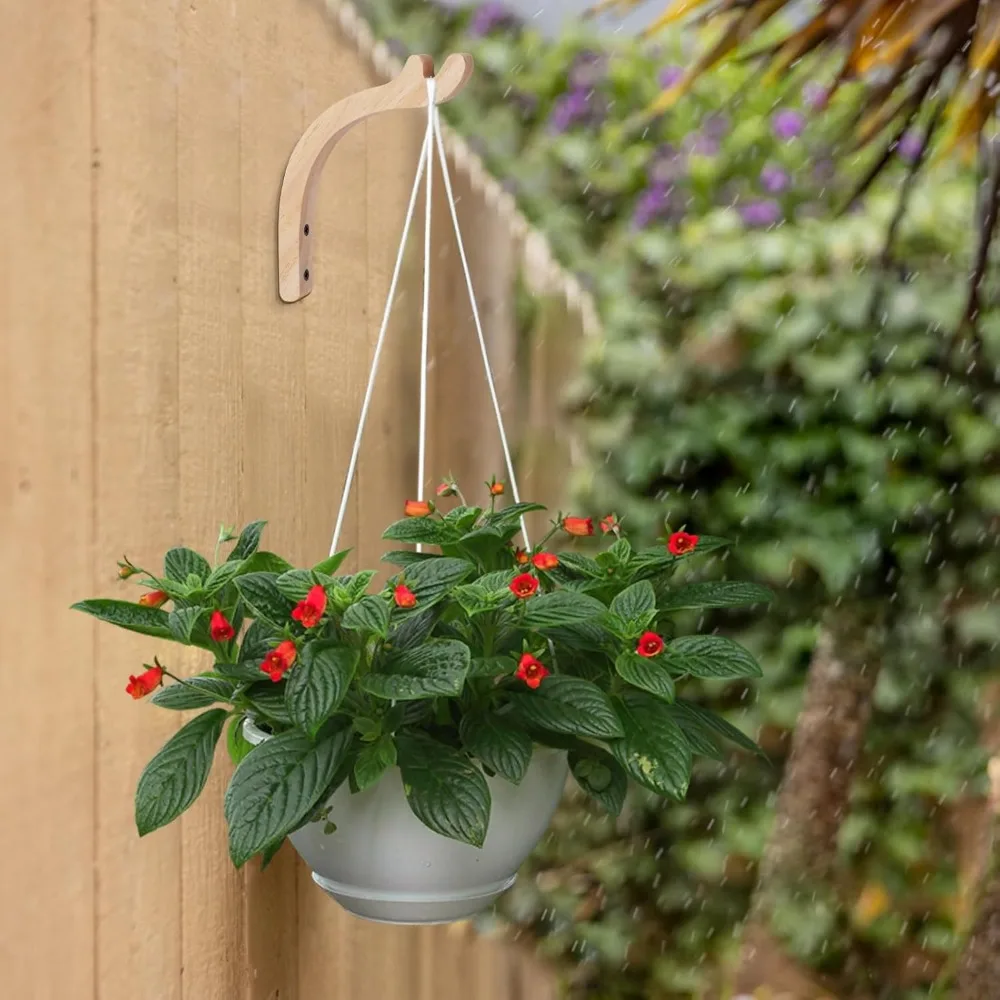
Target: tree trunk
<point x="800" y="860"/>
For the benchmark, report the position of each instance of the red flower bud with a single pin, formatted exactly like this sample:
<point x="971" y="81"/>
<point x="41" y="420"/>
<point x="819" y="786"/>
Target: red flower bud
<point x="610" y="523"/>
<point x="520" y="557"/>
<point x="531" y="671"/>
<point x="310" y="611"/>
<point x="650" y="644"/>
<point x="680" y="543"/>
<point x="524" y="585"/>
<point x="154" y="599"/>
<point x="145" y="683"/>
<point x="220" y="628"/>
<point x="579" y="526"/>
<point x="447" y="489"/>
<point x="545" y="560"/>
<point x="277" y="662"/>
<point x="404" y="597"/>
<point x="126" y="569"/>
<point x="496" y="489"/>
<point x="417" y="508"/>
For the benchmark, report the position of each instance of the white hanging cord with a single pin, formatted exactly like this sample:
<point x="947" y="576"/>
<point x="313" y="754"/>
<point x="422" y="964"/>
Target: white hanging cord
<point x="475" y="315"/>
<point x="425" y="154"/>
<point x="425" y="311"/>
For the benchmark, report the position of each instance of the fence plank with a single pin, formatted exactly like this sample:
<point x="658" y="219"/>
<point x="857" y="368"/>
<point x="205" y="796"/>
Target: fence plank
<point x="209" y="421"/>
<point x="46" y="503"/>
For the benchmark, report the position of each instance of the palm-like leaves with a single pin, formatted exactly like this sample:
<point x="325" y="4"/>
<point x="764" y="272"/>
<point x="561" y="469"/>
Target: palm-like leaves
<point x="936" y="61"/>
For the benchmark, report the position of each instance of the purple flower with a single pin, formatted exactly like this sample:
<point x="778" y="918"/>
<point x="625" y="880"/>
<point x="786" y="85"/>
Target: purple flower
<point x="910" y="147"/>
<point x="774" y="179"/>
<point x="715" y="126"/>
<point x="670" y="75"/>
<point x="761" y="213"/>
<point x="588" y="70"/>
<point x="489" y="16"/>
<point x="815" y="96"/>
<point x="653" y="204"/>
<point x="788" y="124"/>
<point x="701" y="144"/>
<point x="571" y="109"/>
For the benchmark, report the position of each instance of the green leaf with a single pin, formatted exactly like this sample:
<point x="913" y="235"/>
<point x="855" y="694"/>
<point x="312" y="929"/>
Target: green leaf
<point x="711" y="657"/>
<point x="432" y="579"/>
<point x="405" y="557"/>
<point x="374" y="759"/>
<point x="181" y="622"/>
<point x="221" y="575"/>
<point x="565" y="704"/>
<point x="491" y="666"/>
<point x="690" y="716"/>
<point x="653" y="750"/>
<point x="276" y="787"/>
<point x="265" y="562"/>
<point x="196" y="692"/>
<point x="257" y="642"/>
<point x="295" y="584"/>
<point x="648" y="673"/>
<point x="318" y="682"/>
<point x="500" y="747"/>
<point x="180" y="563"/>
<point x="445" y="790"/>
<point x="509" y="517"/>
<point x="331" y="564"/>
<point x="561" y="607"/>
<point x="635" y="606"/>
<point x="427" y="530"/>
<point x="437" y="667"/>
<point x="236" y="743"/>
<point x="581" y="565"/>
<point x="724" y="594"/>
<point x="248" y="542"/>
<point x="125" y="614"/>
<point x="174" y="778"/>
<point x="600" y="776"/>
<point x="268" y="699"/>
<point x="370" y="614"/>
<point x="412" y="630"/>
<point x="261" y="595"/>
<point x="482" y="544"/>
<point x="358" y="583"/>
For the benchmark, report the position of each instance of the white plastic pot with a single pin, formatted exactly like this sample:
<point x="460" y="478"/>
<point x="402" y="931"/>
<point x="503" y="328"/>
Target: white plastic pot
<point x="383" y="864"/>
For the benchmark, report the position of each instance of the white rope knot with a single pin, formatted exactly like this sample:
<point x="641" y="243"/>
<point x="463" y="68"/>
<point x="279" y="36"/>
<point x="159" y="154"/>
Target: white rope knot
<point x="433" y="140"/>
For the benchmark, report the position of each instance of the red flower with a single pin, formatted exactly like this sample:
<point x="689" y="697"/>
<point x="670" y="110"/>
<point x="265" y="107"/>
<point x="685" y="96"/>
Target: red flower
<point x="496" y="489"/>
<point x="520" y="557"/>
<point x="531" y="671"/>
<point x="154" y="599"/>
<point x="650" y="644"/>
<point x="680" y="543"/>
<point x="220" y="628"/>
<point x="610" y="523"/>
<point x="544" y="560"/>
<point x="447" y="489"/>
<point x="279" y="660"/>
<point x="578" y="525"/>
<point x="309" y="611"/>
<point x="145" y="683"/>
<point x="417" y="508"/>
<point x="524" y="585"/>
<point x="404" y="597"/>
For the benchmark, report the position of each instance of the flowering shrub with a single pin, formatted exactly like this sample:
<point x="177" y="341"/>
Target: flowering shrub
<point x="458" y="666"/>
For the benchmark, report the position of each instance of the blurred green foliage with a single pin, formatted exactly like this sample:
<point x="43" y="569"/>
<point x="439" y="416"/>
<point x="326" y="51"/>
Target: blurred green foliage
<point x="768" y="373"/>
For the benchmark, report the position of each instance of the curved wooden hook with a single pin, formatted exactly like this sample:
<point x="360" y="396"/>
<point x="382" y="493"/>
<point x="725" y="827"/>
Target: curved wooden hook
<point x="298" y="186"/>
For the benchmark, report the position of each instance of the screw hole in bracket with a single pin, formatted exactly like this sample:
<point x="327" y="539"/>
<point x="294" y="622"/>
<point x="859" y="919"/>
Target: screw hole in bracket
<point x="305" y="229"/>
<point x="305" y="274"/>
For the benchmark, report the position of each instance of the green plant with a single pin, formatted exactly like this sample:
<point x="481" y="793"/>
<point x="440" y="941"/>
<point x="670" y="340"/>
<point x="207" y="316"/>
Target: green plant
<point x="460" y="664"/>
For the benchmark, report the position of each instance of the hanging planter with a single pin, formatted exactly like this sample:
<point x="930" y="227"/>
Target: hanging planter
<point x="412" y="740"/>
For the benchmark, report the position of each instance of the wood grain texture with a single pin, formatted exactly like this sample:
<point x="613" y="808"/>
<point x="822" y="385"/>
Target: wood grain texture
<point x="46" y="503"/>
<point x="210" y="415"/>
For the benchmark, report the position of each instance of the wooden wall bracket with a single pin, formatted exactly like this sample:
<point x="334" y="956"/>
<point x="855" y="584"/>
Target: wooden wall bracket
<point x="302" y="172"/>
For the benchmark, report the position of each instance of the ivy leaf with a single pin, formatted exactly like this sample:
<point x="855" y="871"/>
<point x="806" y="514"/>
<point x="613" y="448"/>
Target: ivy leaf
<point x="277" y="786"/>
<point x="180" y="563"/>
<point x="653" y="751"/>
<point x="369" y="615"/>
<point x="600" y="776"/>
<point x="248" y="542"/>
<point x="722" y="594"/>
<point x="425" y="530"/>
<point x="318" y="682"/>
<point x="373" y="760"/>
<point x="437" y="667"/>
<point x="635" y="608"/>
<point x="565" y="704"/>
<point x="196" y="692"/>
<point x="500" y="747"/>
<point x="711" y="657"/>
<point x="125" y="614"/>
<point x="648" y="673"/>
<point x="445" y="790"/>
<point x="261" y="595"/>
<point x="174" y="778"/>
<point x="561" y="607"/>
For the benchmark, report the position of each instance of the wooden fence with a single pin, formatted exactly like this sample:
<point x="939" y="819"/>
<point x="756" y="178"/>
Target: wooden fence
<point x="152" y="386"/>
